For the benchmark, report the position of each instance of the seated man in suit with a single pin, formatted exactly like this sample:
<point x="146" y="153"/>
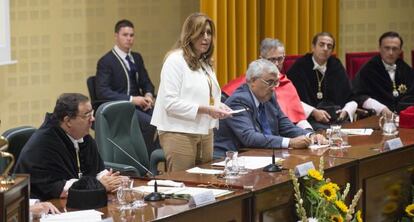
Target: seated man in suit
<point x="322" y="83"/>
<point x="286" y="94"/>
<point x="121" y="75"/>
<point x="263" y="125"/>
<point x="386" y="79"/>
<point x="61" y="151"/>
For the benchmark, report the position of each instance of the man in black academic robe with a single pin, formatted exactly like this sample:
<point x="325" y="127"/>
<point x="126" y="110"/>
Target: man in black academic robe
<point x="322" y="84"/>
<point x="61" y="151"/>
<point x="386" y="80"/>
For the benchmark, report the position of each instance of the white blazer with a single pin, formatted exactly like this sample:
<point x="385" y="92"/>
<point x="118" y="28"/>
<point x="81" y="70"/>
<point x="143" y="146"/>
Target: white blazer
<point x="180" y="94"/>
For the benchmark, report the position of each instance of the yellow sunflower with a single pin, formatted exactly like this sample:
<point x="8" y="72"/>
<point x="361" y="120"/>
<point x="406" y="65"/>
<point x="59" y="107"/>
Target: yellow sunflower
<point x="341" y="205"/>
<point x="337" y="218"/>
<point x="410" y="210"/>
<point x="333" y="185"/>
<point x="359" y="216"/>
<point x="315" y="174"/>
<point x="328" y="192"/>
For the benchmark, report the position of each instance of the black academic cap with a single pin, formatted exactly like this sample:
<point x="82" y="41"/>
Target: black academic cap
<point x="87" y="193"/>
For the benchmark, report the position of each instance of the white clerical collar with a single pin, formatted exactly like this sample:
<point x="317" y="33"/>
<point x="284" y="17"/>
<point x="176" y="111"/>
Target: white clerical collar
<point x="75" y="141"/>
<point x="121" y="53"/>
<point x="389" y="68"/>
<point x="320" y="68"/>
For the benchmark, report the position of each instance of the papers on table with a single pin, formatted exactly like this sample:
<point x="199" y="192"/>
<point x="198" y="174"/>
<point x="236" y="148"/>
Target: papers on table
<point x="253" y="162"/>
<point x="184" y="190"/>
<point x="316" y="146"/>
<point x="199" y="170"/>
<point x="166" y="183"/>
<point x="75" y="216"/>
<point x="360" y="132"/>
<point x="238" y="111"/>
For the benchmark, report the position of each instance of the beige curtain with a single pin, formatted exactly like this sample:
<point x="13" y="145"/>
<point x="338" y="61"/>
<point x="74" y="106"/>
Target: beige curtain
<point x="242" y="24"/>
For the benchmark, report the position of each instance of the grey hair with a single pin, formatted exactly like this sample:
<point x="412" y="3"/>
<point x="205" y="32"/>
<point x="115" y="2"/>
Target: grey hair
<point x="259" y="67"/>
<point x="267" y="44"/>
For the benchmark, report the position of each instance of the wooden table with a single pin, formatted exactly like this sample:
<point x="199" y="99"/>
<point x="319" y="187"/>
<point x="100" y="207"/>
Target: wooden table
<point x="384" y="175"/>
<point x="232" y="207"/>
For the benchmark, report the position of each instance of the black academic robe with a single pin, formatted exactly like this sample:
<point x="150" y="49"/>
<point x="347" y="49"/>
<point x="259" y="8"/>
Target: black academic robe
<point x="50" y="158"/>
<point x="373" y="81"/>
<point x="336" y="87"/>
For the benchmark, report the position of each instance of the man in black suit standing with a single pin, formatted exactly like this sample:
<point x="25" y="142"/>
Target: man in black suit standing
<point x="121" y="75"/>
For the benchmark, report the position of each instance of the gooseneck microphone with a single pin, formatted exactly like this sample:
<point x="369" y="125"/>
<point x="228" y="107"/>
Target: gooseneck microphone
<point x="154" y="196"/>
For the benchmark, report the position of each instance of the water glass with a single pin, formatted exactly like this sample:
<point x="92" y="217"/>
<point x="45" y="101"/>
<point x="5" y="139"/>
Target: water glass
<point x="241" y="162"/>
<point x="335" y="137"/>
<point x="231" y="169"/>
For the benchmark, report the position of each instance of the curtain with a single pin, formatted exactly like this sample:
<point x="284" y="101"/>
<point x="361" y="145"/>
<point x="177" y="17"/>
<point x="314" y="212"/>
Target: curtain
<point x="242" y="24"/>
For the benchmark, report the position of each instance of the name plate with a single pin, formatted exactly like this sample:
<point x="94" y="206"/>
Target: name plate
<point x="393" y="144"/>
<point x="202" y="198"/>
<point x="302" y="169"/>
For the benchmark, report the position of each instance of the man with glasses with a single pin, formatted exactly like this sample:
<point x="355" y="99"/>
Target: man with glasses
<point x="286" y="95"/>
<point x="322" y="83"/>
<point x="61" y="151"/>
<point x="262" y="124"/>
<point x="386" y="80"/>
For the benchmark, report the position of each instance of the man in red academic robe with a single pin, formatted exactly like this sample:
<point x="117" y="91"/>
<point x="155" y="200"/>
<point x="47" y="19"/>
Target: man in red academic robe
<point x="286" y="94"/>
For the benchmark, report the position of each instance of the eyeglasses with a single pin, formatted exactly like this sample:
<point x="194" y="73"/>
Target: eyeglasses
<point x="276" y="59"/>
<point x="270" y="83"/>
<point x="87" y="116"/>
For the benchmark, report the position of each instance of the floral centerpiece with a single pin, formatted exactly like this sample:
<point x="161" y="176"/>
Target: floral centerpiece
<point x="322" y="199"/>
<point x="409" y="210"/>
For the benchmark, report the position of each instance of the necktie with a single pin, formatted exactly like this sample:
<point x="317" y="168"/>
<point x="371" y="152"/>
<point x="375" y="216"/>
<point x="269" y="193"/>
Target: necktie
<point x="263" y="120"/>
<point x="132" y="68"/>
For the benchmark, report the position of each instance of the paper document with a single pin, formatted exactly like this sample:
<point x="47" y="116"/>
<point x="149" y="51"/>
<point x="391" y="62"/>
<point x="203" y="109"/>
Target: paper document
<point x="316" y="146"/>
<point x="361" y="132"/>
<point x="75" y="216"/>
<point x="166" y="183"/>
<point x="183" y="190"/>
<point x="238" y="111"/>
<point x="253" y="162"/>
<point x="199" y="170"/>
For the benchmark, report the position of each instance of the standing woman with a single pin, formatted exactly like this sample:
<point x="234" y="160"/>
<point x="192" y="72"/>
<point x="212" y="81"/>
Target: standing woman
<point x="188" y="103"/>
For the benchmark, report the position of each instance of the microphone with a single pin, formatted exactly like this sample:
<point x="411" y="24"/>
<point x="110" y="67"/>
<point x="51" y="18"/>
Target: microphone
<point x="154" y="196"/>
<point x="273" y="167"/>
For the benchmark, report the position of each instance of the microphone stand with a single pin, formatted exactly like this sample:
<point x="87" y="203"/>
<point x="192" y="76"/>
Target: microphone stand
<point x="273" y="167"/>
<point x="154" y="196"/>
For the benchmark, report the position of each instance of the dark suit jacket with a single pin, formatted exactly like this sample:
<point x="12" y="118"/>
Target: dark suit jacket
<point x="243" y="130"/>
<point x="112" y="77"/>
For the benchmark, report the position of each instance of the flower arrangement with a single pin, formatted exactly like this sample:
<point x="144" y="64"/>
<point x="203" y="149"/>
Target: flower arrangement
<point x="409" y="210"/>
<point x="322" y="199"/>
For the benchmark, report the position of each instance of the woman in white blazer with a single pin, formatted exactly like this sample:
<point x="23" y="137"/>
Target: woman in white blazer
<point x="188" y="102"/>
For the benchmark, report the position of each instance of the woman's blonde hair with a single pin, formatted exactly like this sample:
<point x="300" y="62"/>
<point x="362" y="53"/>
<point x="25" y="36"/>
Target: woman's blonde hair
<point x="193" y="27"/>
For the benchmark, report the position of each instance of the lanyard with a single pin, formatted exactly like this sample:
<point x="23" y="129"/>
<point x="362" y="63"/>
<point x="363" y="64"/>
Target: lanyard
<point x="210" y="86"/>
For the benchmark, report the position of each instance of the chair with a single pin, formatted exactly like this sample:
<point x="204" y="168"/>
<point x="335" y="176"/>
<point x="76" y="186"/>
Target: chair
<point x="355" y="61"/>
<point x="289" y="61"/>
<point x="90" y="83"/>
<point x="17" y="138"/>
<point x="117" y="121"/>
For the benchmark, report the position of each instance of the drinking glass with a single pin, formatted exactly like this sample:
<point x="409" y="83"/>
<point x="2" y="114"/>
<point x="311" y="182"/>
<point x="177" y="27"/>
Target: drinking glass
<point x="241" y="162"/>
<point x="231" y="169"/>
